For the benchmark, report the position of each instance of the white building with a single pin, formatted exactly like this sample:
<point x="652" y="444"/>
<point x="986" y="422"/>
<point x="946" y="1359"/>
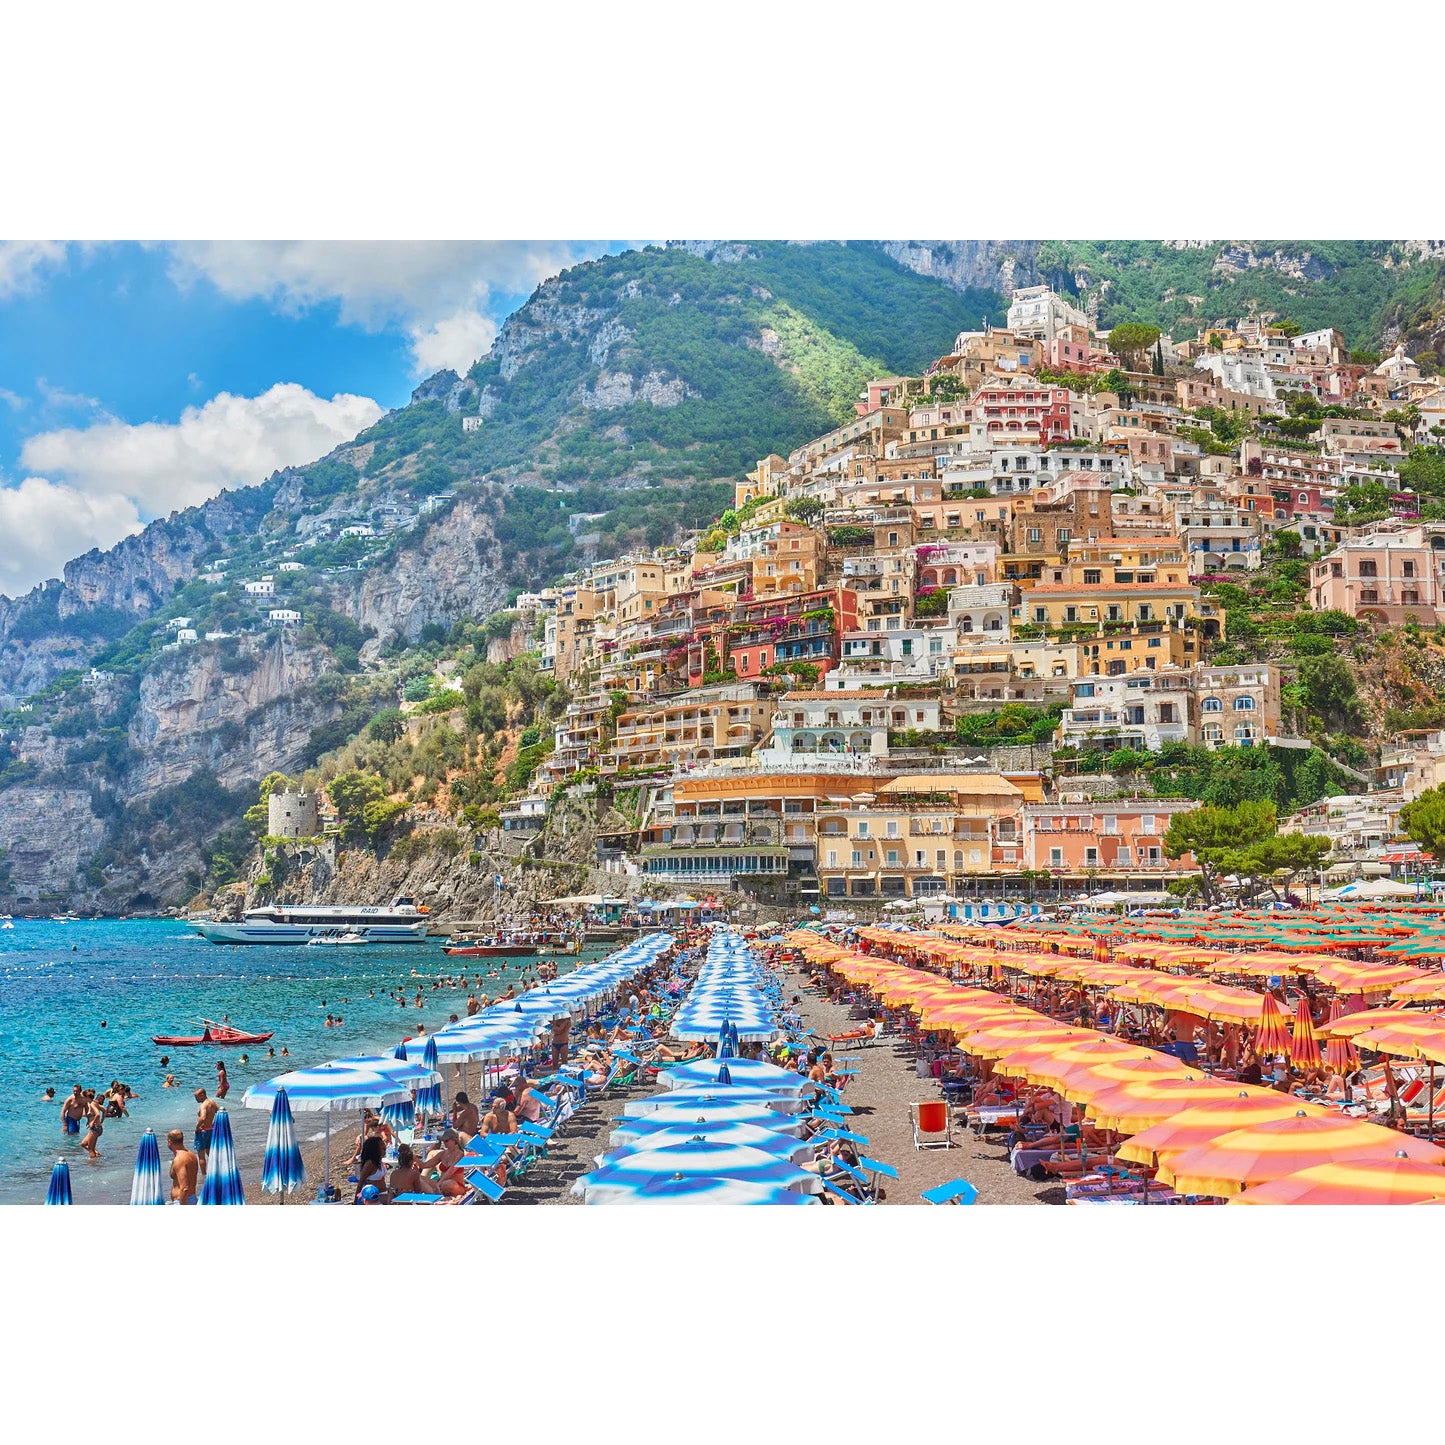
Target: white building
<point x="981" y="611"/>
<point x="912" y="654"/>
<point x="291" y="567"/>
<point x="1040" y="312"/>
<point x="266" y="587"/>
<point x="283" y="617"/>
<point x="819" y="725"/>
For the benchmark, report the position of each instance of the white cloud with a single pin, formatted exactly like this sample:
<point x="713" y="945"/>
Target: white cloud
<point x="21" y="263"/>
<point x="230" y="441"/>
<point x="45" y="524"/>
<point x="454" y="342"/>
<point x="442" y="292"/>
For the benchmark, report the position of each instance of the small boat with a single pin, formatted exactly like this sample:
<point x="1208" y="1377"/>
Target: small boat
<point x="218" y="1034"/>
<point x="517" y="945"/>
<point x="336" y="940"/>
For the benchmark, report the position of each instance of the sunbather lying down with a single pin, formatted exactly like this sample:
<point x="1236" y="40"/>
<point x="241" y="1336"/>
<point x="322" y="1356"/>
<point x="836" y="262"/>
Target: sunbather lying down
<point x="694" y="1050"/>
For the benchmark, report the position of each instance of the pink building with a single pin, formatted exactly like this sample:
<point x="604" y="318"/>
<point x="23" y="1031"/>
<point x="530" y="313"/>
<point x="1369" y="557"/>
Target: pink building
<point x="1387" y="573"/>
<point x="1116" y="839"/>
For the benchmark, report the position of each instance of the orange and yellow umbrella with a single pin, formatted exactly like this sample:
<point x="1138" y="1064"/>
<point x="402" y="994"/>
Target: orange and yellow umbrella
<point x="1358" y="1023"/>
<point x="1231" y="1163"/>
<point x="1201" y="1122"/>
<point x="1149" y="1100"/>
<point x="1273" y="1035"/>
<point x="1396" y="1180"/>
<point x="1340" y="1053"/>
<point x="1304" y="1047"/>
<point x="1430" y="987"/>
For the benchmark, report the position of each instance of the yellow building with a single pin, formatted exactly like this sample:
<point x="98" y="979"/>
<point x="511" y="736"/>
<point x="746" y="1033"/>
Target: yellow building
<point x="765" y="480"/>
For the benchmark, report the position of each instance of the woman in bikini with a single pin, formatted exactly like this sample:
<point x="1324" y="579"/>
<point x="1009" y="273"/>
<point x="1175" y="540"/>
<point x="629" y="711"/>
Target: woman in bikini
<point x="371" y="1169"/>
<point x="95" y="1122"/>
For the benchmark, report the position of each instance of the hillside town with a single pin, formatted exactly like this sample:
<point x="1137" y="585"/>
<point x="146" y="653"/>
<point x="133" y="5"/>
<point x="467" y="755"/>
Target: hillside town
<point x="900" y="666"/>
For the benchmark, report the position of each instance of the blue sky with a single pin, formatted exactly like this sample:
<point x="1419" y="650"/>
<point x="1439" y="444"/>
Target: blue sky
<point x="137" y="379"/>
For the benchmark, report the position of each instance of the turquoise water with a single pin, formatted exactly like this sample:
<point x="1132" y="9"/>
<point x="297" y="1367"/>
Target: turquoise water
<point x="80" y="1001"/>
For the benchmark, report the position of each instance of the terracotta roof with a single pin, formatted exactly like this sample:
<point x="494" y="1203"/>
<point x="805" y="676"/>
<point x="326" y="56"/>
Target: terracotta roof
<point x="974" y="783"/>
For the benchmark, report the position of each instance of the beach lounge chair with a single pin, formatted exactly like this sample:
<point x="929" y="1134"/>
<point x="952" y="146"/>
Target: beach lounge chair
<point x="486" y="1187"/>
<point x="932" y="1124"/>
<point x="956" y="1191"/>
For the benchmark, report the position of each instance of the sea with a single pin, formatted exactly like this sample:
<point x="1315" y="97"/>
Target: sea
<point x="80" y="1001"/>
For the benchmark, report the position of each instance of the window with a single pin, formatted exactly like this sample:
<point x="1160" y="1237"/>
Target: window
<point x="1056" y="857"/>
<point x="1367" y="569"/>
<point x="1091" y="857"/>
<point x="1244" y="704"/>
<point x="863" y="828"/>
<point x="893" y="827"/>
<point x="893" y="857"/>
<point x="1092" y="577"/>
<point x="857" y="858"/>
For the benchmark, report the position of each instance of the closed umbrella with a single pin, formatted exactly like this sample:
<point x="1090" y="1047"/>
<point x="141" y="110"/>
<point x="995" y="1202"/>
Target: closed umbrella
<point x="145" y="1183"/>
<point x="1272" y="1036"/>
<point x="429" y="1100"/>
<point x="282" y="1170"/>
<point x="59" y="1190"/>
<point x="1304" y="1047"/>
<point x="222" y="1184"/>
<point x="1340" y="1053"/>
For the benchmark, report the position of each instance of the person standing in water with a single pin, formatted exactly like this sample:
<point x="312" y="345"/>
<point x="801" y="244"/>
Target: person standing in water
<point x="206" y="1111"/>
<point x="223" y="1084"/>
<point x="72" y="1111"/>
<point x="185" y="1168"/>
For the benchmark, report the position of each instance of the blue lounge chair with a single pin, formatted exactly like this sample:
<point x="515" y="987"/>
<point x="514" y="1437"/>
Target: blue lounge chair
<point x="956" y="1191"/>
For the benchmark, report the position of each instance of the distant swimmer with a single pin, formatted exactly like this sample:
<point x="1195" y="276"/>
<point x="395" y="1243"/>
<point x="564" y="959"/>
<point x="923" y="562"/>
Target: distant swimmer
<point x="48" y="1097"/>
<point x="170" y="1083"/>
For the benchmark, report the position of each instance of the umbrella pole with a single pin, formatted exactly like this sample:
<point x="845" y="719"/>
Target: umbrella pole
<point x="326" y="1177"/>
<point x="1430" y="1108"/>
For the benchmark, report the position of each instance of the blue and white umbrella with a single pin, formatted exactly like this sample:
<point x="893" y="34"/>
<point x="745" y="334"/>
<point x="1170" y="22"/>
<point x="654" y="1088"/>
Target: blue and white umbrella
<point x="145" y="1183"/>
<point x="633" y="1127"/>
<point x="715" y="1094"/>
<point x="222" y="1184"/>
<point x="699" y="1189"/>
<point x="282" y="1170"/>
<point x="429" y="1098"/>
<point x="328" y="1089"/>
<point x="755" y="1073"/>
<point x="399" y="1116"/>
<point x="59" y="1191"/>
<point x="781" y="1146"/>
<point x="695" y="1157"/>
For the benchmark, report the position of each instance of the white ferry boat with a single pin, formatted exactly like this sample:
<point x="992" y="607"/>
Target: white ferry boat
<point x="401" y="921"/>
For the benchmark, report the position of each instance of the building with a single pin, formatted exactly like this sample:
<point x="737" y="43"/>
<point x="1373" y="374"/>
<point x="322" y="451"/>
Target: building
<point x="810" y="725"/>
<point x="281" y="617"/>
<point x="292" y="815"/>
<point x="1388" y="572"/>
<point x="265" y="587"/>
<point x="693" y="728"/>
<point x="1041" y="313"/>
<point x="1116" y="843"/>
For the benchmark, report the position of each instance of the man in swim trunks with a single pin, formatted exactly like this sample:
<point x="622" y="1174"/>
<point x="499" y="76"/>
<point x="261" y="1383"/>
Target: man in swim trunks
<point x="72" y="1111"/>
<point x="185" y="1168"/>
<point x="206" y="1111"/>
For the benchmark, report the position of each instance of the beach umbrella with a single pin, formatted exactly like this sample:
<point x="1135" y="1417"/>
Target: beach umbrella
<point x="1396" y="1180"/>
<point x="1340" y="1053"/>
<point x="145" y="1183"/>
<point x="1231" y="1163"/>
<point x="701" y="1189"/>
<point x="399" y="1116"/>
<point x="715" y="1094"/>
<point x="328" y="1089"/>
<point x="429" y="1099"/>
<point x="756" y="1072"/>
<point x="282" y="1169"/>
<point x="1272" y="1036"/>
<point x="59" y="1190"/>
<point x="755" y="1136"/>
<point x="693" y="1158"/>
<point x="1201" y="1122"/>
<point x="630" y="1128"/>
<point x="1129" y="1108"/>
<point x="222" y="1184"/>
<point x="1304" y="1047"/>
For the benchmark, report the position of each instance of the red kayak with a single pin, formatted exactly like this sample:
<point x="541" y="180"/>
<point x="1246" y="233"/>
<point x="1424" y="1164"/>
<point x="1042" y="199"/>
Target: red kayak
<point x="214" y="1034"/>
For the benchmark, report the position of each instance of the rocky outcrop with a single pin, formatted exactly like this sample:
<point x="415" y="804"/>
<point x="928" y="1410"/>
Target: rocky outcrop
<point x="616" y="388"/>
<point x="201" y="711"/>
<point x="452" y="570"/>
<point x="985" y="265"/>
<point x="48" y="833"/>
